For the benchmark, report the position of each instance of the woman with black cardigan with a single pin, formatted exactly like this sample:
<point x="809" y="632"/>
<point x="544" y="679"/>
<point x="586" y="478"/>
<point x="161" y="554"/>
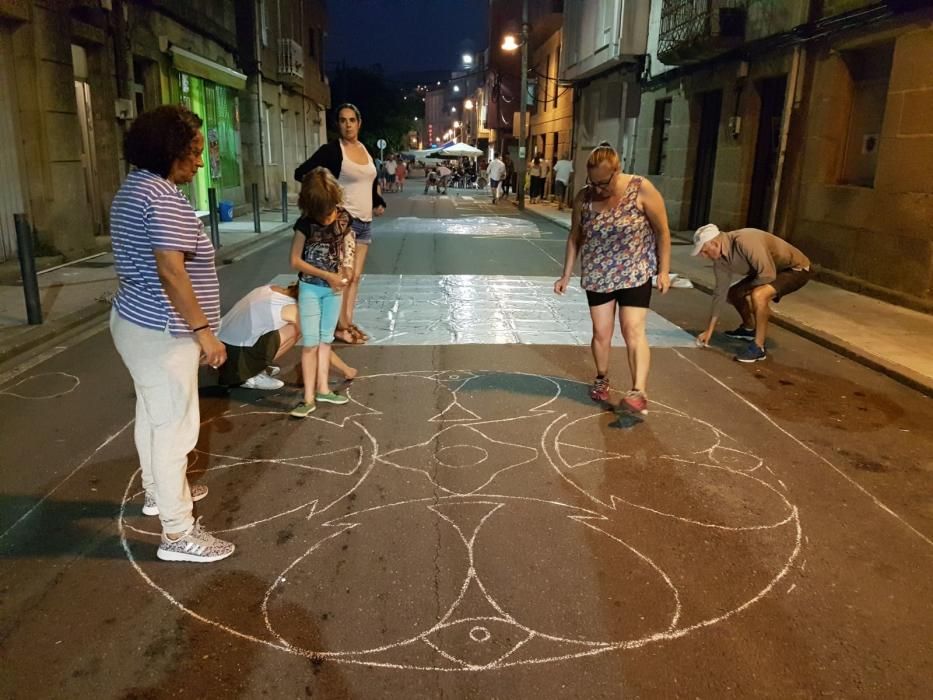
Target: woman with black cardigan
<point x="350" y="163"/>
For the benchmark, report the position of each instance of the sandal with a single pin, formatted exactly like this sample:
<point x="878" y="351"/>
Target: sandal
<point x="350" y="338"/>
<point x="357" y="331"/>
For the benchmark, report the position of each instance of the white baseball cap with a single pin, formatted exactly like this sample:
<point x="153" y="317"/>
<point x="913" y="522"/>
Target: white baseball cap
<point x="704" y="235"/>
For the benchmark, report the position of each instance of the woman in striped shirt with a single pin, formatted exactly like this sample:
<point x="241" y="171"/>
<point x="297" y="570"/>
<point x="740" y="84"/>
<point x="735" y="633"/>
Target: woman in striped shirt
<point x="164" y="317"/>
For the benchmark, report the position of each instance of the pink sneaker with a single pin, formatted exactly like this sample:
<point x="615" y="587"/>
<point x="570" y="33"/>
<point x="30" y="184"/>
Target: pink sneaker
<point x="600" y="389"/>
<point x="636" y="402"/>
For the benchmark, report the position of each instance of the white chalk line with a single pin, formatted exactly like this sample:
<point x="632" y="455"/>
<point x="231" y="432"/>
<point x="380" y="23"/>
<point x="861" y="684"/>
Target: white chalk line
<point x="599" y="647"/>
<point x="65" y="479"/>
<point x="809" y="449"/>
<point x="75" y="385"/>
<point x="614" y="499"/>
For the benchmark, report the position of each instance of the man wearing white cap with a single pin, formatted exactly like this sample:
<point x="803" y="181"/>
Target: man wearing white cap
<point x="771" y="267"/>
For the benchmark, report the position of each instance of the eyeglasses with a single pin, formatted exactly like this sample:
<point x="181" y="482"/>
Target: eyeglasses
<point x="600" y="185"/>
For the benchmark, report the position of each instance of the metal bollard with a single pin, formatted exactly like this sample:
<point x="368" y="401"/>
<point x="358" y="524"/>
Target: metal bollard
<point x="257" y="226"/>
<point x="214" y="217"/>
<point x="284" y="201"/>
<point x="27" y="267"/>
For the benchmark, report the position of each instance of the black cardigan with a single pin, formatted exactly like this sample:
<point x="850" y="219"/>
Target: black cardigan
<point x="330" y="156"/>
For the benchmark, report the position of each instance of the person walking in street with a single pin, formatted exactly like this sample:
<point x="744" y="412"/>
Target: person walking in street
<point x="259" y="329"/>
<point x="508" y="184"/>
<point x="496" y="174"/>
<point x="620" y="226"/>
<point x="391" y="170"/>
<point x="401" y="172"/>
<point x="350" y="163"/>
<point x="563" y="169"/>
<point x="322" y="252"/>
<point x="535" y="172"/>
<point x="771" y="268"/>
<point x="164" y="317"/>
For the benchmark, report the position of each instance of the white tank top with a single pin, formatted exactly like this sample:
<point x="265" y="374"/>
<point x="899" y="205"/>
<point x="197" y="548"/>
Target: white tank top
<point x="357" y="183"/>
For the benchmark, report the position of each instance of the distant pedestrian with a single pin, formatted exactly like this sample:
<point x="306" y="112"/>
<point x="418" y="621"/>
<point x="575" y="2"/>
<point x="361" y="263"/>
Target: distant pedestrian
<point x="348" y="160"/>
<point x="164" y="317"/>
<point x="563" y="168"/>
<point x="620" y="227"/>
<point x="496" y="174"/>
<point x="322" y="252"/>
<point x="401" y="173"/>
<point x="535" y="173"/>
<point x="508" y="184"/>
<point x="391" y="169"/>
<point x="771" y="267"/>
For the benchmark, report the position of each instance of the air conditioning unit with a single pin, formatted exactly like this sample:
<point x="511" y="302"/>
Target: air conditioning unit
<point x="291" y="59"/>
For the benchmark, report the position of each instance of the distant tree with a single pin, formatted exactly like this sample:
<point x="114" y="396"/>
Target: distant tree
<point x="386" y="112"/>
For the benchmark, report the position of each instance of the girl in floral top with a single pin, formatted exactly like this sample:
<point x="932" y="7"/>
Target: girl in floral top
<point x="322" y="253"/>
<point x="620" y="222"/>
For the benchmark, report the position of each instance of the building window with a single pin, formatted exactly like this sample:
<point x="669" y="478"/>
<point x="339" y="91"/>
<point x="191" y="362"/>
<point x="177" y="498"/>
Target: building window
<point x="556" y="75"/>
<point x="546" y="78"/>
<point x="869" y="72"/>
<point x="263" y="23"/>
<point x="660" y="135"/>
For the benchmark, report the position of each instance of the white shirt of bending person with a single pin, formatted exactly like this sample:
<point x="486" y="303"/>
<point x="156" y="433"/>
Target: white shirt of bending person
<point x="256" y="314"/>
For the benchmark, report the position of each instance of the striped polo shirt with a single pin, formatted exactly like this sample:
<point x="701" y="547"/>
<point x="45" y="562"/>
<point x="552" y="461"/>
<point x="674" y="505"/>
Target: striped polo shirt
<point x="150" y="213"/>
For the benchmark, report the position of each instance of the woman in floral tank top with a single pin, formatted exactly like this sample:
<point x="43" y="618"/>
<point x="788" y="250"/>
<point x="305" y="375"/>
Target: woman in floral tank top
<point x="620" y="227"/>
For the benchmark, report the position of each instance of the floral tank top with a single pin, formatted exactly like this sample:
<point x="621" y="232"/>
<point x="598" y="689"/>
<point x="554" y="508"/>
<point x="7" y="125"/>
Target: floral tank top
<point x="620" y="248"/>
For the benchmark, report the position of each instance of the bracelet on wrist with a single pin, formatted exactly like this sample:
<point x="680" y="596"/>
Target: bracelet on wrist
<point x="201" y="328"/>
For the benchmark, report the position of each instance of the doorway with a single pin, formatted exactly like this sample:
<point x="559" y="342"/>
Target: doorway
<point x="88" y="140"/>
<point x="707" y="142"/>
<point x="771" y="92"/>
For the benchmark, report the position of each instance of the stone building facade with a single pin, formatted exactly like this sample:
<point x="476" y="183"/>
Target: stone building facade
<point x="813" y="120"/>
<point x="74" y="74"/>
<point x="552" y="119"/>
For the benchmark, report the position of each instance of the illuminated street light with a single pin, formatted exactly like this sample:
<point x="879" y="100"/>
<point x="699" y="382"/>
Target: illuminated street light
<point x="467" y="59"/>
<point x="456" y="125"/>
<point x="453" y="109"/>
<point x="509" y="43"/>
<point x="468" y="104"/>
<point x="456" y="88"/>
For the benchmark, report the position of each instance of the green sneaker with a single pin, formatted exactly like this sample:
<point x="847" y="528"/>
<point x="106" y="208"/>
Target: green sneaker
<point x="331" y="397"/>
<point x="303" y="410"/>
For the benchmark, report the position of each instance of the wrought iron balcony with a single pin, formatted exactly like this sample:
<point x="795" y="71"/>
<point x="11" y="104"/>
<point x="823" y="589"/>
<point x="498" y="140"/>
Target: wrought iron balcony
<point x="696" y="30"/>
<point x="291" y="60"/>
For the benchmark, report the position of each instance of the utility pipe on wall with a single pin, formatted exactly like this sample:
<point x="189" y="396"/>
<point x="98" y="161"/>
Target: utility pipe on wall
<point x="790" y="96"/>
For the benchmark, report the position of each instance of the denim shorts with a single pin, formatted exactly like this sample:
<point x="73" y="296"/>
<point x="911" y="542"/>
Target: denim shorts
<point x="318" y="309"/>
<point x="363" y="231"/>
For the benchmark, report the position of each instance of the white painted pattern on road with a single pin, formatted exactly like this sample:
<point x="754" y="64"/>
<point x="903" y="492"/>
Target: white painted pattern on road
<point x="483" y="309"/>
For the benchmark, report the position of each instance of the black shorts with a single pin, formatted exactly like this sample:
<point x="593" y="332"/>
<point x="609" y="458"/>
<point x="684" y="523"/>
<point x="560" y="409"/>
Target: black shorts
<point x="639" y="297"/>
<point x="243" y="363"/>
<point x="786" y="282"/>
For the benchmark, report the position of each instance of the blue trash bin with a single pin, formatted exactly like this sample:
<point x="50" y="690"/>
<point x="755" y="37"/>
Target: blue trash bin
<point x="226" y="210"/>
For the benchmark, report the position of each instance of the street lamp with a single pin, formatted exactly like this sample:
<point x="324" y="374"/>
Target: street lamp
<point x="509" y="44"/>
<point x="468" y="104"/>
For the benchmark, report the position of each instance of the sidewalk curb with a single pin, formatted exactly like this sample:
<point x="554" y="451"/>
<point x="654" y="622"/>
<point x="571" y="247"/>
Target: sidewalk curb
<point x="33" y="336"/>
<point x="895" y="371"/>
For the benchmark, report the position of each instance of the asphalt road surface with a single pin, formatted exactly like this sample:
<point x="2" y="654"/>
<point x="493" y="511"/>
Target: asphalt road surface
<point x="471" y="525"/>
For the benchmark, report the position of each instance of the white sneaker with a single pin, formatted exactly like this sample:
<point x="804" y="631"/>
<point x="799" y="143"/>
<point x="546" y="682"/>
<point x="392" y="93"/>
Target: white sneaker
<point x="273" y="370"/>
<point x="197" y="545"/>
<point x="198" y="491"/>
<point x="264" y="382"/>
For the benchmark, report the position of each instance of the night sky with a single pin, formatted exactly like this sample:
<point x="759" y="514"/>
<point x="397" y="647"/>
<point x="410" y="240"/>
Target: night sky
<point x="405" y="35"/>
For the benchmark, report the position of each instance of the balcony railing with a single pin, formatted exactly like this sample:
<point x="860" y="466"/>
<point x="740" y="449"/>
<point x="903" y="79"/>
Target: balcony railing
<point x="291" y="59"/>
<point x="696" y="30"/>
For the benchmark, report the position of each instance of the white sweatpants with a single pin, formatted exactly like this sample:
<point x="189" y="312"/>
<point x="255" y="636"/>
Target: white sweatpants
<point x="165" y="376"/>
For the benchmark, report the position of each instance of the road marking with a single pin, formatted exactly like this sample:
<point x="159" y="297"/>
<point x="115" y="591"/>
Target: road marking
<point x="809" y="449"/>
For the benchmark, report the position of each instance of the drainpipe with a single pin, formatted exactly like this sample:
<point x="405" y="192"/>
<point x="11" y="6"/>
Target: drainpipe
<point x="257" y="5"/>
<point x="789" y="101"/>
